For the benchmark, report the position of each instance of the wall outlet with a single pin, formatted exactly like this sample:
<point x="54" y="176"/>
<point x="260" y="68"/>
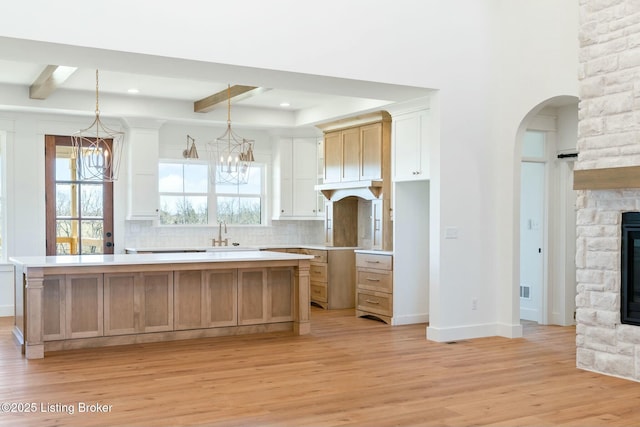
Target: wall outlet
<point x="451" y="232"/>
<point x="474" y="304"/>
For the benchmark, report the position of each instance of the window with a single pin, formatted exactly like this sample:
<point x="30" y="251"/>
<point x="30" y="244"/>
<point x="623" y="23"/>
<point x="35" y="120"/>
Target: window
<point x="533" y="144"/>
<point x="188" y="198"/>
<point x="184" y="193"/>
<point x="241" y="204"/>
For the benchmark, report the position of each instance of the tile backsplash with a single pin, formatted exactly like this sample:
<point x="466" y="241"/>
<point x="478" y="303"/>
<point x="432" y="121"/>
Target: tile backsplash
<point x="144" y="234"/>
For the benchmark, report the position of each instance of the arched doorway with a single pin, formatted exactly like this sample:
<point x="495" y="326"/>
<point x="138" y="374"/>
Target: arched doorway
<point x="545" y="262"/>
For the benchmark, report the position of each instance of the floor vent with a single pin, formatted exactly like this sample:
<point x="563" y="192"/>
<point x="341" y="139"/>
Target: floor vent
<point x="525" y="291"/>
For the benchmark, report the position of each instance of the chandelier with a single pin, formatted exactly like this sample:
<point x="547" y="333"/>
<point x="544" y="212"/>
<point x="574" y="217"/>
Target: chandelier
<point x="230" y="155"/>
<point x="98" y="149"/>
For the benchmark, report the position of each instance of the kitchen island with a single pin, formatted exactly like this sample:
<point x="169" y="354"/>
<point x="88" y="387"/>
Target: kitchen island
<point x="68" y="302"/>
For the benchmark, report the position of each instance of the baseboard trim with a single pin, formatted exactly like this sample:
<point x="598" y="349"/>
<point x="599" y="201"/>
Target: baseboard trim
<point x="6" y="310"/>
<point x="474" y="331"/>
<point x="410" y="319"/>
<point x="509" y="331"/>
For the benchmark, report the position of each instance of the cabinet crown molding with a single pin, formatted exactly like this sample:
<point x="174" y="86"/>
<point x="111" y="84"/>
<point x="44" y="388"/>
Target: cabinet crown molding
<point x="354" y="121"/>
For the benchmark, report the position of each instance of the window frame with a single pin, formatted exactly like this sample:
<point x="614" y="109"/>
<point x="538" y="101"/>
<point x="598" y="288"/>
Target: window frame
<point x="212" y="195"/>
<point x="184" y="162"/>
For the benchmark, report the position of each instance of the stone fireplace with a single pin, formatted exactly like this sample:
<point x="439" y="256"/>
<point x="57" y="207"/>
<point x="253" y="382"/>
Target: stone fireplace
<point x="607" y="178"/>
<point x="604" y="344"/>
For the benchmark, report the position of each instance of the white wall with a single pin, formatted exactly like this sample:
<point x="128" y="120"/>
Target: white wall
<point x="25" y="232"/>
<point x="411" y="252"/>
<point x="491" y="61"/>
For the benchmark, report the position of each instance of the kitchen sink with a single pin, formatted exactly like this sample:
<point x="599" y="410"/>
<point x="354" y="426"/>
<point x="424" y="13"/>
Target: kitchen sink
<point x="229" y="248"/>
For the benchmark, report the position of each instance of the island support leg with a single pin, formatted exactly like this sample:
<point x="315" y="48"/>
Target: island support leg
<point x="34" y="339"/>
<point x="302" y="299"/>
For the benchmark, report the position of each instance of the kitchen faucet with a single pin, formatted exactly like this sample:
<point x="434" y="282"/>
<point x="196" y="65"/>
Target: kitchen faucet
<point x="219" y="241"/>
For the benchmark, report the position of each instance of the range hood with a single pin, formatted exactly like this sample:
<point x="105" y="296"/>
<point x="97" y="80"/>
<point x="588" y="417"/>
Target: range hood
<point x="357" y="158"/>
<point x="368" y="190"/>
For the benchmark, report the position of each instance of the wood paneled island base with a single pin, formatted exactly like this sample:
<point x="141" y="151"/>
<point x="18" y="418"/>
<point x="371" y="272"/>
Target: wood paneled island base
<point x="70" y="302"/>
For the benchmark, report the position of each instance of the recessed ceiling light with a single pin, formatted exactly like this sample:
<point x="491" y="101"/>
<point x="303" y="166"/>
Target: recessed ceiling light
<point x="285" y="104"/>
<point x="133" y="90"/>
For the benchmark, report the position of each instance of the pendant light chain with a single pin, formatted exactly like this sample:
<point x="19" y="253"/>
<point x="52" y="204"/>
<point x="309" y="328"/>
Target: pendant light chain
<point x="97" y="96"/>
<point x="229" y="105"/>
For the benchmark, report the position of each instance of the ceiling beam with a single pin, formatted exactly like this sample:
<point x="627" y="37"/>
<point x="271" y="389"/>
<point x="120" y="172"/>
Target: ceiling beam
<point x="51" y="78"/>
<point x="236" y="93"/>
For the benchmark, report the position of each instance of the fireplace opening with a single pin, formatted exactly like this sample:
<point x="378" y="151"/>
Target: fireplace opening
<point x="630" y="268"/>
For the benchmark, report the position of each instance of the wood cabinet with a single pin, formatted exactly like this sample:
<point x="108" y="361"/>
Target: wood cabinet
<point x="265" y="295"/>
<point x="142" y="192"/>
<point x="333" y="157"/>
<point x="295" y="176"/>
<point x="411" y="146"/>
<point x="138" y="302"/>
<point x="371" y="157"/>
<point x="357" y="158"/>
<point x="82" y="306"/>
<point x="205" y="299"/>
<point x="353" y="154"/>
<point x="374" y="286"/>
<point x="332" y="277"/>
<point x="54" y="308"/>
<point x="73" y="306"/>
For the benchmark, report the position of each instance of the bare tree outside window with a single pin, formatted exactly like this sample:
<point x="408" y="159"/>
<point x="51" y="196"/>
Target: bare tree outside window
<point x="188" y="198"/>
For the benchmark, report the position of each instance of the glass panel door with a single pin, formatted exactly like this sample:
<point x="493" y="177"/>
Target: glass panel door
<point x="79" y="212"/>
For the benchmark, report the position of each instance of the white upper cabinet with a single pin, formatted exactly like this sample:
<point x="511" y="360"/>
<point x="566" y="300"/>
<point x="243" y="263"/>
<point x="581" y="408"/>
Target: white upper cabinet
<point x="142" y="163"/>
<point x="295" y="176"/>
<point x="411" y="146"/>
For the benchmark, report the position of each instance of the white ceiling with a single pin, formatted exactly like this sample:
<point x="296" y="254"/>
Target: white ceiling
<point x="115" y="82"/>
<point x="311" y="99"/>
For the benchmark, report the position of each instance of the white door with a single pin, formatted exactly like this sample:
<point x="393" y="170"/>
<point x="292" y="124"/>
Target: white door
<point x="532" y="240"/>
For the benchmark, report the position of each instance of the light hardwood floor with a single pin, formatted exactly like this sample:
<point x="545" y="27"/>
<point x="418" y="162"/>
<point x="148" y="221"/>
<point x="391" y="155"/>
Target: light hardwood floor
<point x="347" y="372"/>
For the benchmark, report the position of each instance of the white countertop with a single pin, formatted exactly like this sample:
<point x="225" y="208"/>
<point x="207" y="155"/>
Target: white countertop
<point x="162" y="258"/>
<point x="373" y="251"/>
<point x="234" y="248"/>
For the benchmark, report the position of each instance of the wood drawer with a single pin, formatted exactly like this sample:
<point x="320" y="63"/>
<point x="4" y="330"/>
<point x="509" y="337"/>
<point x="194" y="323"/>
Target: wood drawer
<point x="375" y="302"/>
<point x="381" y="262"/>
<point x="318" y="292"/>
<point x="320" y="255"/>
<point x="318" y="272"/>
<point x="375" y="280"/>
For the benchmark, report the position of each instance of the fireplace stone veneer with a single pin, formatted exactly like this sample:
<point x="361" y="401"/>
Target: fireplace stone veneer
<point x="604" y="344"/>
<point x="606" y="177"/>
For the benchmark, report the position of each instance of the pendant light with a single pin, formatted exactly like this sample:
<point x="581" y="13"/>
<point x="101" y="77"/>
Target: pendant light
<point x="98" y="149"/>
<point x="230" y="155"/>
